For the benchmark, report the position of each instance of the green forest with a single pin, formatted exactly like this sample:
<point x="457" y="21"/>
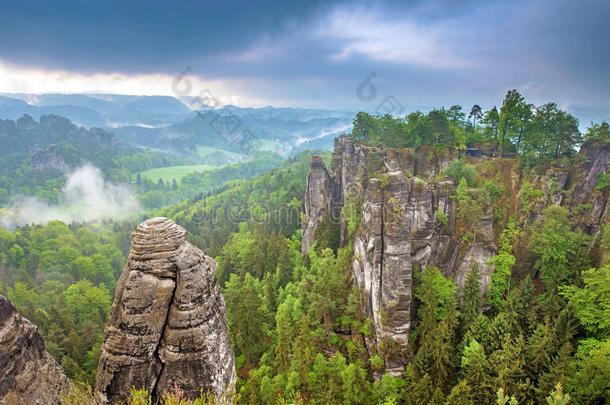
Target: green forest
<point x="538" y="336"/>
<point x="41" y="154"/>
<point x="536" y="134"/>
<point x="541" y="334"/>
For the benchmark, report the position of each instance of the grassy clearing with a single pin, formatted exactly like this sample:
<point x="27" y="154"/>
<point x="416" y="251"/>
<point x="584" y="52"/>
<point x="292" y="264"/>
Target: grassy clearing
<point x="206" y="150"/>
<point x="173" y="172"/>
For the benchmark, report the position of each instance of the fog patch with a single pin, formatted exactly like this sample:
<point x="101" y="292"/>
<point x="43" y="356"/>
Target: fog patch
<point x="85" y="197"/>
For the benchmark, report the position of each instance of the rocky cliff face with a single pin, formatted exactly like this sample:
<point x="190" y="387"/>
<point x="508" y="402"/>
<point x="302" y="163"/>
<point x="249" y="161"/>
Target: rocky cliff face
<point x="168" y="322"/>
<point x="28" y="374"/>
<point x="596" y="160"/>
<point x="408" y="221"/>
<point x="48" y="158"/>
<point x="319" y="199"/>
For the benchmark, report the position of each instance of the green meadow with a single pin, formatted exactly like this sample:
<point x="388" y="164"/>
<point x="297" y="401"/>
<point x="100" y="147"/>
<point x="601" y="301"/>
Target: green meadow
<point x="173" y="172"/>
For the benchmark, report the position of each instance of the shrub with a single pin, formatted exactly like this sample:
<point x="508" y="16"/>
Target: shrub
<point x="603" y="183"/>
<point x="458" y="169"/>
<point x="442" y="217"/>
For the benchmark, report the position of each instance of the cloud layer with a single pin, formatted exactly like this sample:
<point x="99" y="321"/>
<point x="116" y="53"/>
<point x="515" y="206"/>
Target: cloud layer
<point x="315" y="53"/>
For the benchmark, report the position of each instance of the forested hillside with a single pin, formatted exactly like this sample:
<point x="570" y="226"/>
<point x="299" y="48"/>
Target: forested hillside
<point x="38" y="154"/>
<point x="485" y="234"/>
<point x="40" y="157"/>
<point x="526" y="323"/>
<point x="62" y="278"/>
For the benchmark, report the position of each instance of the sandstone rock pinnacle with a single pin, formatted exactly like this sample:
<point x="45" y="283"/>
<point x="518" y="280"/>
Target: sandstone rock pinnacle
<point x="168" y="324"/>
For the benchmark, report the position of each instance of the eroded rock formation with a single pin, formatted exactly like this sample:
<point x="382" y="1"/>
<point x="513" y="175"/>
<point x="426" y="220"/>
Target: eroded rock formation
<point x="168" y="322"/>
<point x="408" y="221"/>
<point x="48" y="158"/>
<point x="318" y="200"/>
<point x="28" y="374"/>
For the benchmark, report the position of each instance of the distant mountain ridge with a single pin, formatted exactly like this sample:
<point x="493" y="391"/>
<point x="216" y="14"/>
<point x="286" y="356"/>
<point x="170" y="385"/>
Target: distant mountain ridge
<point x="167" y="123"/>
<point x="99" y="110"/>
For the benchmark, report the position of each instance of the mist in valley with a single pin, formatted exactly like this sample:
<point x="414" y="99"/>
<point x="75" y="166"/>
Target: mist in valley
<point x="85" y="197"/>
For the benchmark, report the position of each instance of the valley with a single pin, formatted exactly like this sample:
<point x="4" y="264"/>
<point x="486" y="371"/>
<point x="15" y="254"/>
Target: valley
<point x="422" y="260"/>
<point x="175" y="173"/>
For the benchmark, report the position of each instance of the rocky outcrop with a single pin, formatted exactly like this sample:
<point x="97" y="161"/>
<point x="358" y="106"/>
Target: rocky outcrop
<point x="408" y="220"/>
<point x="168" y="324"/>
<point x="320" y="198"/>
<point x="28" y="374"/>
<point x="596" y="156"/>
<point x="48" y="158"/>
<point x="400" y="233"/>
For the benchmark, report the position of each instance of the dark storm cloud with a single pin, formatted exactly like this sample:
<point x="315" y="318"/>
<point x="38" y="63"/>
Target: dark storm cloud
<point x="316" y="53"/>
<point x="135" y="36"/>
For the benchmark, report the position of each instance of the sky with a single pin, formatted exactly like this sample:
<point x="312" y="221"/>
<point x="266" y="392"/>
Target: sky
<point x="316" y="54"/>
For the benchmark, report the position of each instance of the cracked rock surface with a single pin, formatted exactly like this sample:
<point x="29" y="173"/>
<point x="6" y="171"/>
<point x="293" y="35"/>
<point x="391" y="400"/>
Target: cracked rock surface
<point x="28" y="374"/>
<point x="399" y="199"/>
<point x="168" y="324"/>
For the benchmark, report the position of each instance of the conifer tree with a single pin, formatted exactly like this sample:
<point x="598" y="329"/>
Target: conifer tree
<point x="304" y="350"/>
<point x="419" y="390"/>
<point x="471" y="299"/>
<point x="475" y="368"/>
<point x="270" y="292"/>
<point x="516" y="308"/>
<point x="503" y="263"/>
<point x="440" y="355"/>
<point x="438" y="398"/>
<point x="540" y="348"/>
<point x="508" y="364"/>
<point x="559" y="369"/>
<point x="282" y="351"/>
<point x="460" y="394"/>
<point x="504" y="399"/>
<point x="558" y="397"/>
<point x="355" y="384"/>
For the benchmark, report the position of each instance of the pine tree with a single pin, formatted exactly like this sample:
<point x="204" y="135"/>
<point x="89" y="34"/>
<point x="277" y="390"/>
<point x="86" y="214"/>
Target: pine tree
<point x="282" y="350"/>
<point x="270" y="292"/>
<point x="304" y="351"/>
<point x="475" y="368"/>
<point x="509" y="365"/>
<point x="557" y="372"/>
<point x="541" y="346"/>
<point x="247" y="318"/>
<point x="438" y="398"/>
<point x="428" y="313"/>
<point x="356" y="387"/>
<point x="504" y="399"/>
<point x="471" y="299"/>
<point x="419" y="390"/>
<point x="480" y="330"/>
<point x="558" y="397"/>
<point x="516" y="308"/>
<point x="460" y="394"/>
<point x="503" y="263"/>
<point x="499" y="328"/>
<point x="283" y="270"/>
<point x="564" y="327"/>
<point x="440" y="355"/>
